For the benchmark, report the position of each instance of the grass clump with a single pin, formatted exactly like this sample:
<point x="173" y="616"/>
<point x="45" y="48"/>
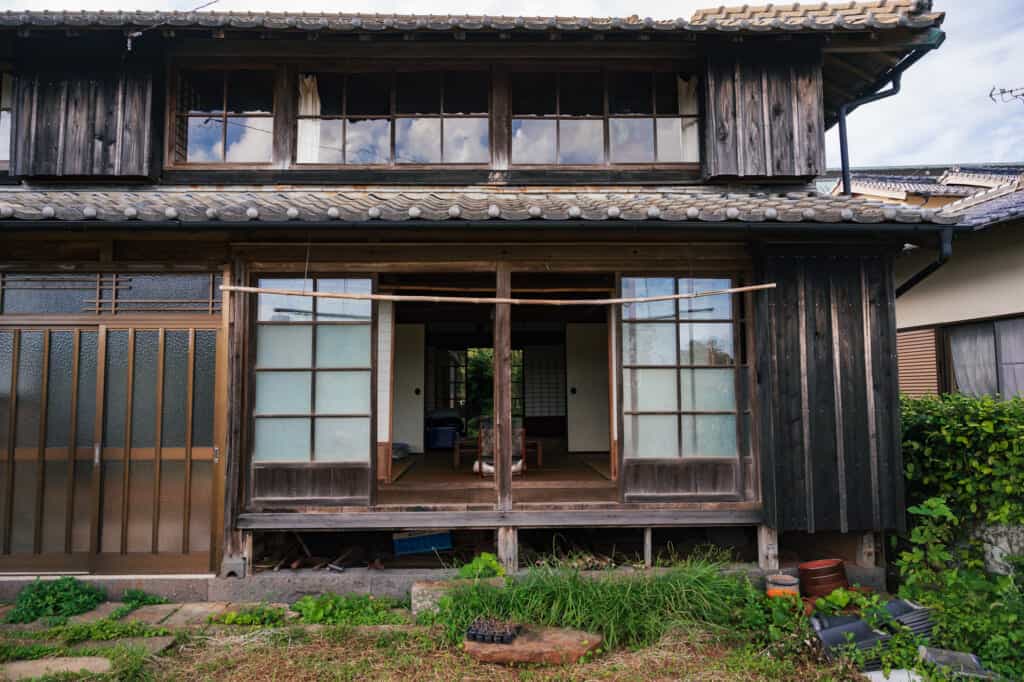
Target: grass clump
<point x="486" y="565"/>
<point x="350" y="609"/>
<point x="55" y="600"/>
<point x="135" y="599"/>
<point x="259" y="615"/>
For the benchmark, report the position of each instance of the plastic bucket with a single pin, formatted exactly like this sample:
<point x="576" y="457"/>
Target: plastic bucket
<point x="782" y="585"/>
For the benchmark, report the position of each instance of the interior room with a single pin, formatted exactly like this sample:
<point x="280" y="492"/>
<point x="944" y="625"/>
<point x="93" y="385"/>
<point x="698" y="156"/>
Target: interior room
<point x="442" y="392"/>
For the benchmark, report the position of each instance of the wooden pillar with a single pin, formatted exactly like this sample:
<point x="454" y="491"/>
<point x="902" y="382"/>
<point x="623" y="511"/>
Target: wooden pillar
<point x="648" y="547"/>
<point x="767" y="548"/>
<point x="508" y="549"/>
<point x="503" y="390"/>
<point x="867" y="551"/>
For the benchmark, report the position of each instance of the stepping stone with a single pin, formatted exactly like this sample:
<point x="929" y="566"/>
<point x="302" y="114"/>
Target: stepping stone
<point x="195" y="613"/>
<point x="99" y="613"/>
<point x="154" y="614"/>
<point x="552" y="646"/>
<point x="151" y="645"/>
<point x="26" y="670"/>
<point x="425" y="595"/>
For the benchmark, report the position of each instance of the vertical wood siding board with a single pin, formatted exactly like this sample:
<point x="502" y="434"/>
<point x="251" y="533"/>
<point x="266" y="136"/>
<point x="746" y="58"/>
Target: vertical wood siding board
<point x="812" y="134"/>
<point x="780" y="119"/>
<point x="805" y="404"/>
<point x="47" y="131"/>
<point x="75" y="126"/>
<point x="96" y="109"/>
<point x="119" y="125"/>
<point x="722" y="142"/>
<point x="822" y="394"/>
<point x="30" y="155"/>
<point x="894" y="514"/>
<point x="754" y="120"/>
<point x="795" y="127"/>
<point x="838" y="395"/>
<point x="710" y="128"/>
<point x="764" y="387"/>
<point x="858" y="450"/>
<point x="774" y="402"/>
<point x="740" y="118"/>
<point x="62" y="125"/>
<point x="21" y="134"/>
<point x="766" y="118"/>
<point x="793" y="475"/>
<point x="869" y="304"/>
<point x="285" y="87"/>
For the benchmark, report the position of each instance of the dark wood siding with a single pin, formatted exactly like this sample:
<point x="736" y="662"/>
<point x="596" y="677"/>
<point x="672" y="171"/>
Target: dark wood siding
<point x="764" y="118"/>
<point x="85" y="124"/>
<point x="827" y="388"/>
<point x="327" y="484"/>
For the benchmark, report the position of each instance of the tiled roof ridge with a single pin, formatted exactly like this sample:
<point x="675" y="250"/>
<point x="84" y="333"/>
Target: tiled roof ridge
<point x="785" y="17"/>
<point x="704" y="204"/>
<point x="983" y="196"/>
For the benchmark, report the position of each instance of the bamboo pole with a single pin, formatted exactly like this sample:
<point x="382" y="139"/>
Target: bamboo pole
<point x="399" y="298"/>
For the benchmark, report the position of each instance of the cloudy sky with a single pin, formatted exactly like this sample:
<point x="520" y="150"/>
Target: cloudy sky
<point x="942" y="116"/>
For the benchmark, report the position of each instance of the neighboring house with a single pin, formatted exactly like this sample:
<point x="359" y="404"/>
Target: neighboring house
<point x="405" y="171"/>
<point x="962" y="327"/>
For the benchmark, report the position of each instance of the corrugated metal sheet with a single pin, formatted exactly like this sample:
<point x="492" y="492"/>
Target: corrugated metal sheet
<point x="919" y="362"/>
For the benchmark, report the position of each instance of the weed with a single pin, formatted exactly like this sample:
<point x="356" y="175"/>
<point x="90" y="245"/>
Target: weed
<point x="335" y="609"/>
<point x="486" y="565"/>
<point x="54" y="600"/>
<point x="260" y="615"/>
<point x="134" y="599"/>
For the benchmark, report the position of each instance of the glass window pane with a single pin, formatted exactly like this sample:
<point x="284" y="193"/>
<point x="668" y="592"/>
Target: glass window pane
<point x="320" y="94"/>
<point x="204" y="384"/>
<point x="250" y="139"/>
<point x="706" y="344"/>
<point x="467" y="92"/>
<point x="87" y="351"/>
<point x="250" y="92"/>
<point x="631" y="140"/>
<point x="367" y="141"/>
<point x="6" y="370"/>
<point x="163" y="291"/>
<point x="630" y="93"/>
<point x="666" y="93"/>
<point x="30" y="388"/>
<point x="581" y="94"/>
<point x="336" y="309"/>
<point x="708" y="390"/>
<point x="5" y="135"/>
<point x="205" y="140"/>
<point x="343" y="393"/>
<point x="283" y="308"/>
<point x="466" y="140"/>
<point x="280" y="346"/>
<point x="709" y="435"/>
<point x="670" y="140"/>
<point x="706" y="307"/>
<point x="1010" y="334"/>
<point x="345" y="345"/>
<point x="342" y="439"/>
<point x="281" y="440"/>
<point x="58" y="390"/>
<point x="533" y="94"/>
<point x="649" y="390"/>
<point x="175" y="397"/>
<point x="648" y="344"/>
<point x="418" y="140"/>
<point x="649" y="435"/>
<point x="418" y="92"/>
<point x="688" y="100"/>
<point x="691" y="140"/>
<point x="49" y="293"/>
<point x="116" y="385"/>
<point x="201" y="92"/>
<point x="973" y="352"/>
<point x="147" y="347"/>
<point x="581" y="142"/>
<point x="282" y="392"/>
<point x="533" y="141"/>
<point x="368" y="94"/>
<point x="319" y="141"/>
<point x="647" y="287"/>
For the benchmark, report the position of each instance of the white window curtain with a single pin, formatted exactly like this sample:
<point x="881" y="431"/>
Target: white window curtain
<point x="309" y="128"/>
<point x="974" y="359"/>
<point x="1010" y="337"/>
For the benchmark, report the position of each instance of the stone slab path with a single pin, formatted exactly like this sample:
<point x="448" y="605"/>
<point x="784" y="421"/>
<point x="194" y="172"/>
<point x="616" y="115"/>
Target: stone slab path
<point x="27" y="670"/>
<point x="99" y="613"/>
<point x="151" y="645"/>
<point x="195" y="613"/>
<point x="154" y="614"/>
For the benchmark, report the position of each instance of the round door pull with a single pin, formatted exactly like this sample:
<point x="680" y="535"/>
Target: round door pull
<point x="573" y="390"/>
<point x="416" y="391"/>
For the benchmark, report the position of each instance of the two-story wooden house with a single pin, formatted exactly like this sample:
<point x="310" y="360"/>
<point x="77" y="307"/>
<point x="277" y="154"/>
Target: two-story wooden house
<point x="246" y="259"/>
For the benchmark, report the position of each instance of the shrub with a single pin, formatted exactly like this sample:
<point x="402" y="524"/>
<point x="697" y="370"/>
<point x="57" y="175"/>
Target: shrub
<point x="55" y="599"/>
<point x="486" y="565"/>
<point x="336" y="609"/>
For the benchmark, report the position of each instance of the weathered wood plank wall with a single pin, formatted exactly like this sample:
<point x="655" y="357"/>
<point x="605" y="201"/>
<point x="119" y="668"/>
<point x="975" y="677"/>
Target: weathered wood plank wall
<point x="69" y="124"/>
<point x="827" y="389"/>
<point x="764" y="118"/>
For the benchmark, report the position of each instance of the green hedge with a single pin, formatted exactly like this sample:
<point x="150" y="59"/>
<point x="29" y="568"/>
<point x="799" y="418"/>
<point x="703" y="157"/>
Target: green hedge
<point x="969" y="451"/>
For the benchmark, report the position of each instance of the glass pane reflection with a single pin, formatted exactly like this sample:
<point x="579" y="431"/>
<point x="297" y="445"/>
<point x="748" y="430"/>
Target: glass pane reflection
<point x="250" y="139"/>
<point x="418" y="140"/>
<point x="533" y="141"/>
<point x="581" y="142"/>
<point x="367" y="141"/>
<point x="632" y="140"/>
<point x="205" y="143"/>
<point x="466" y="140"/>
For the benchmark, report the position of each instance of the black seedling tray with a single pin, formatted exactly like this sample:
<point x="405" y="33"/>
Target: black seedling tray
<point x="492" y="630"/>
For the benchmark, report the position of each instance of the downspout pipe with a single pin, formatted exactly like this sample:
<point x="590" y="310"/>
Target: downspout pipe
<point x="945" y="251"/>
<point x="894" y="77"/>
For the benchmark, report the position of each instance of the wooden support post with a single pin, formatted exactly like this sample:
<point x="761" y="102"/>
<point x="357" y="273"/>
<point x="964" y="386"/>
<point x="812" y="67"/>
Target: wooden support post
<point x="867" y="551"/>
<point x="648" y="547"/>
<point x="503" y="390"/>
<point x="767" y="548"/>
<point x="508" y="548"/>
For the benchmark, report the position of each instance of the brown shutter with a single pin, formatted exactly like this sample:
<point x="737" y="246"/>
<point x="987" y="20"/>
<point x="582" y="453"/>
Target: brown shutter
<point x="919" y="362"/>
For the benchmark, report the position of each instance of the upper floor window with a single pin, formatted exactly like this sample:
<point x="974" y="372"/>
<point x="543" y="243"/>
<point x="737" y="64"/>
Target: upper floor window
<point x="6" y="102"/>
<point x="424" y="117"/>
<point x="600" y="118"/>
<point x="224" y="116"/>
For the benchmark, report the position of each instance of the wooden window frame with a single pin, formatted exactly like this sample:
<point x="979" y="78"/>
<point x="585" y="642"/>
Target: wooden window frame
<point x="947" y="378"/>
<point x="739" y="322"/>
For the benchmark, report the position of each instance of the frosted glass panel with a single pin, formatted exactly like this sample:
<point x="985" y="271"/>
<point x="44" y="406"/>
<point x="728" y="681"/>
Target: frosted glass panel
<point x="278" y="308"/>
<point x="709" y="435"/>
<point x="343" y="346"/>
<point x="670" y="140"/>
<point x="343" y="393"/>
<point x="649" y="390"/>
<point x="651" y="435"/>
<point x="343" y="440"/>
<point x="708" y="389"/>
<point x="706" y="344"/>
<point x="336" y="309"/>
<point x="282" y="392"/>
<point x="648" y="344"/>
<point x="281" y="440"/>
<point x="284" y="346"/>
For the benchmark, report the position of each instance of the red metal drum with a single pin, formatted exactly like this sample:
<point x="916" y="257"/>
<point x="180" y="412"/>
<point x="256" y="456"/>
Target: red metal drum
<point x="820" y="578"/>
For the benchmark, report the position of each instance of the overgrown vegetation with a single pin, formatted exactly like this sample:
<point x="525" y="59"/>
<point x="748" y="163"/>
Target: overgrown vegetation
<point x="485" y="565"/>
<point x="349" y="609"/>
<point x="261" y="614"/>
<point x="55" y="600"/>
<point x="135" y="599"/>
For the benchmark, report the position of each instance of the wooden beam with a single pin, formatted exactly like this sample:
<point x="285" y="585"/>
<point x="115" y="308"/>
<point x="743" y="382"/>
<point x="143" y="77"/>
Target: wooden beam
<point x="508" y="548"/>
<point x="605" y="518"/>
<point x="648" y="547"/>
<point x="767" y="548"/>
<point x="503" y="389"/>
